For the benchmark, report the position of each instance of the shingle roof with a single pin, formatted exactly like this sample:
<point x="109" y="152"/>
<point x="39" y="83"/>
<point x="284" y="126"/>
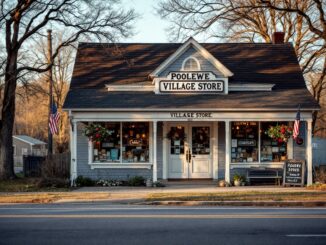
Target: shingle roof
<point x="100" y="64"/>
<point x="29" y="140"/>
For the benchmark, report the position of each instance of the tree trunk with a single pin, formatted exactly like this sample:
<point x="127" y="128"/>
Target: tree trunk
<point x="8" y="117"/>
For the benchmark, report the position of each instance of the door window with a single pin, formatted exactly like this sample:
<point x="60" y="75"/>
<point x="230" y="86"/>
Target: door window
<point x="200" y="140"/>
<point x="177" y="140"/>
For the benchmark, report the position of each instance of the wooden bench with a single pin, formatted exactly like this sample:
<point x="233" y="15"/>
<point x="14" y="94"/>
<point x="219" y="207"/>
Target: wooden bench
<point x="264" y="173"/>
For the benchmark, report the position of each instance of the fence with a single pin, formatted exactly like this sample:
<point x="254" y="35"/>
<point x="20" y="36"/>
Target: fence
<point x="319" y="151"/>
<point x="56" y="165"/>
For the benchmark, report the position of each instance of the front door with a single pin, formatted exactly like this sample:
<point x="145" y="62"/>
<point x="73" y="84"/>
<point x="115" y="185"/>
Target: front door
<point x="190" y="150"/>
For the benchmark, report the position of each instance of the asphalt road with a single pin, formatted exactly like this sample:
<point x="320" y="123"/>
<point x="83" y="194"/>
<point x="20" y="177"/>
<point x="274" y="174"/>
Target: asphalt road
<point x="101" y="223"/>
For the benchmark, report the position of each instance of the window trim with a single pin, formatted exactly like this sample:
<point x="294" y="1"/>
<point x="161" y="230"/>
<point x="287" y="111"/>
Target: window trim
<point x="120" y="163"/>
<point x="189" y="58"/>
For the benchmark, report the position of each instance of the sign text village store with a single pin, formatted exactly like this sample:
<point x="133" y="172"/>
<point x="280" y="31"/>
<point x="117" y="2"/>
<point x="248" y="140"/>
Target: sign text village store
<point x="185" y="111"/>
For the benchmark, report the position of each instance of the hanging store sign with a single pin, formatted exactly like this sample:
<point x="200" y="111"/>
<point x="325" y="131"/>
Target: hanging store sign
<point x="191" y="82"/>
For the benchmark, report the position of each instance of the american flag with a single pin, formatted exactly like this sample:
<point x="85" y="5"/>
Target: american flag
<point x="54" y="119"/>
<point x="296" y="127"/>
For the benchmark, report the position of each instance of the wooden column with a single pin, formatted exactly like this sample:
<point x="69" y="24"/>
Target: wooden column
<point x="309" y="152"/>
<point x="154" y="151"/>
<point x="227" y="151"/>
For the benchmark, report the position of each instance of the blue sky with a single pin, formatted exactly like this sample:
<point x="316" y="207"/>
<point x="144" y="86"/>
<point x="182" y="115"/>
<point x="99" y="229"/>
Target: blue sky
<point x="149" y="27"/>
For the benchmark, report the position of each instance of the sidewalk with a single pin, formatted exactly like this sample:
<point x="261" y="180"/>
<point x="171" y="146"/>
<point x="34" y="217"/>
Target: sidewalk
<point x="179" y="194"/>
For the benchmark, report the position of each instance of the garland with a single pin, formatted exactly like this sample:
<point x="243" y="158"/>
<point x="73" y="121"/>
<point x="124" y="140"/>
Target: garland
<point x="281" y="133"/>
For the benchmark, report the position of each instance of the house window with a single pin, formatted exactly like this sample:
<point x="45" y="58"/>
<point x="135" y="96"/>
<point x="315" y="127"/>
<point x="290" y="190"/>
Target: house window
<point x="191" y="64"/>
<point x="24" y="151"/>
<point x="135" y="142"/>
<point x="244" y="142"/>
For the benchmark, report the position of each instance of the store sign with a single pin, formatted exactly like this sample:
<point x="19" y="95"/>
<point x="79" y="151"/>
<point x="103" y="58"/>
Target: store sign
<point x="191" y="114"/>
<point x="191" y="82"/>
<point x="135" y="142"/>
<point x="293" y="172"/>
<point x="247" y="142"/>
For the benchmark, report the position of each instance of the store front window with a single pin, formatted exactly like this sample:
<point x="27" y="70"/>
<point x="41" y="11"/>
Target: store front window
<point x="244" y="142"/>
<point x="272" y="150"/>
<point x="109" y="149"/>
<point x="126" y="143"/>
<point x="135" y="142"/>
<point x="249" y="140"/>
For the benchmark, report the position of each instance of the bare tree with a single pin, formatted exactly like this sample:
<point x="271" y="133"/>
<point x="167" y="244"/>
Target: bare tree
<point x="24" y="20"/>
<point x="303" y="23"/>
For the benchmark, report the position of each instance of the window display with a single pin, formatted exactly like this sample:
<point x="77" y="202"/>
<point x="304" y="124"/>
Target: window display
<point x="135" y="142"/>
<point x="272" y="149"/>
<point x="244" y="142"/>
<point x="134" y="138"/>
<point x="108" y="150"/>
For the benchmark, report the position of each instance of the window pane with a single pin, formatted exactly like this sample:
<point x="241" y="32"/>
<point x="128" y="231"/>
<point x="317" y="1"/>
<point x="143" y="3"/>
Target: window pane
<point x="271" y="149"/>
<point x="177" y="146"/>
<point x="191" y="65"/>
<point x="135" y="142"/>
<point x="200" y="141"/>
<point x="109" y="149"/>
<point x="244" y="142"/>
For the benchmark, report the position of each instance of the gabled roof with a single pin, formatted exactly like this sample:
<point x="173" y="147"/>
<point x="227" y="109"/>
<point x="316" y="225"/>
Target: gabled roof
<point x="192" y="43"/>
<point x="29" y="140"/>
<point x="98" y="65"/>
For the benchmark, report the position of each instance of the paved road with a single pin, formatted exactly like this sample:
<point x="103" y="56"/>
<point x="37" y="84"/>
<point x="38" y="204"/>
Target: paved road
<point x="101" y="223"/>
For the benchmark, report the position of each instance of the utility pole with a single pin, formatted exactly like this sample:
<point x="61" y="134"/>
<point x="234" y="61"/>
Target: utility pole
<point x="50" y="140"/>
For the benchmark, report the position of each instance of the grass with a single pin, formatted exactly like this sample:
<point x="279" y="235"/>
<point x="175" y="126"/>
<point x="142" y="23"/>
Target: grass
<point x="49" y="197"/>
<point x="239" y="196"/>
<point x="25" y="185"/>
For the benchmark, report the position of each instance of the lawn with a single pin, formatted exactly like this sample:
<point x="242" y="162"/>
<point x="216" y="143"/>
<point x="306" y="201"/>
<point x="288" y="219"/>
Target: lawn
<point x="240" y="196"/>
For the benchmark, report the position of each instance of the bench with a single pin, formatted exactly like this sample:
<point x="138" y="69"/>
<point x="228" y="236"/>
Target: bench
<point x="264" y="173"/>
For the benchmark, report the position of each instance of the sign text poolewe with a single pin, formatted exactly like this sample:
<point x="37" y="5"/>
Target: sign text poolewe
<point x="191" y="82"/>
<point x="293" y="172"/>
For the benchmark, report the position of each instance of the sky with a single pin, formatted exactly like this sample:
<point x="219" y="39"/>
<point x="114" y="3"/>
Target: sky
<point x="149" y="27"/>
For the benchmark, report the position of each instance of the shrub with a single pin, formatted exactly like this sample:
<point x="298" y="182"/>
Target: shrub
<point x="84" y="181"/>
<point x="136" y="181"/>
<point x="103" y="182"/>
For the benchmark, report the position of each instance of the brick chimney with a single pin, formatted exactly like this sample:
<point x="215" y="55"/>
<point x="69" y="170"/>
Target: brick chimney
<point x="278" y="37"/>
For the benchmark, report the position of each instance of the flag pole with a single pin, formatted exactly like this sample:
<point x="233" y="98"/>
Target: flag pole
<point x="50" y="139"/>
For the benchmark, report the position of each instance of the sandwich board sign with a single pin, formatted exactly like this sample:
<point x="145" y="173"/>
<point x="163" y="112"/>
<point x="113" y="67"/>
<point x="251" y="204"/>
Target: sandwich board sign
<point x="294" y="172"/>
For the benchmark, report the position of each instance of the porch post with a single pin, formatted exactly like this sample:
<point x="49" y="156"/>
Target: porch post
<point x="309" y="152"/>
<point x="227" y="151"/>
<point x="73" y="152"/>
<point x="154" y="151"/>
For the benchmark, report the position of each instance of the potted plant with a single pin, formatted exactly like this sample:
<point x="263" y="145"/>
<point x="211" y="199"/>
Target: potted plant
<point x="237" y="179"/>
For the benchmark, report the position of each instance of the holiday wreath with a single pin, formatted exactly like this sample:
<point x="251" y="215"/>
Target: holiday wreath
<point x="96" y="132"/>
<point x="280" y="133"/>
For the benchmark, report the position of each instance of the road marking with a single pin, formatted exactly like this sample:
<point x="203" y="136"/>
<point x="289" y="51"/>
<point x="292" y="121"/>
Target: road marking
<point x="118" y="207"/>
<point x="306" y="235"/>
<point x="161" y="216"/>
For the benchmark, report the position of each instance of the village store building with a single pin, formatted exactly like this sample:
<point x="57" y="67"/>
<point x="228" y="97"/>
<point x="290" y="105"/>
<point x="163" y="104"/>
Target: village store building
<point x="186" y="110"/>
